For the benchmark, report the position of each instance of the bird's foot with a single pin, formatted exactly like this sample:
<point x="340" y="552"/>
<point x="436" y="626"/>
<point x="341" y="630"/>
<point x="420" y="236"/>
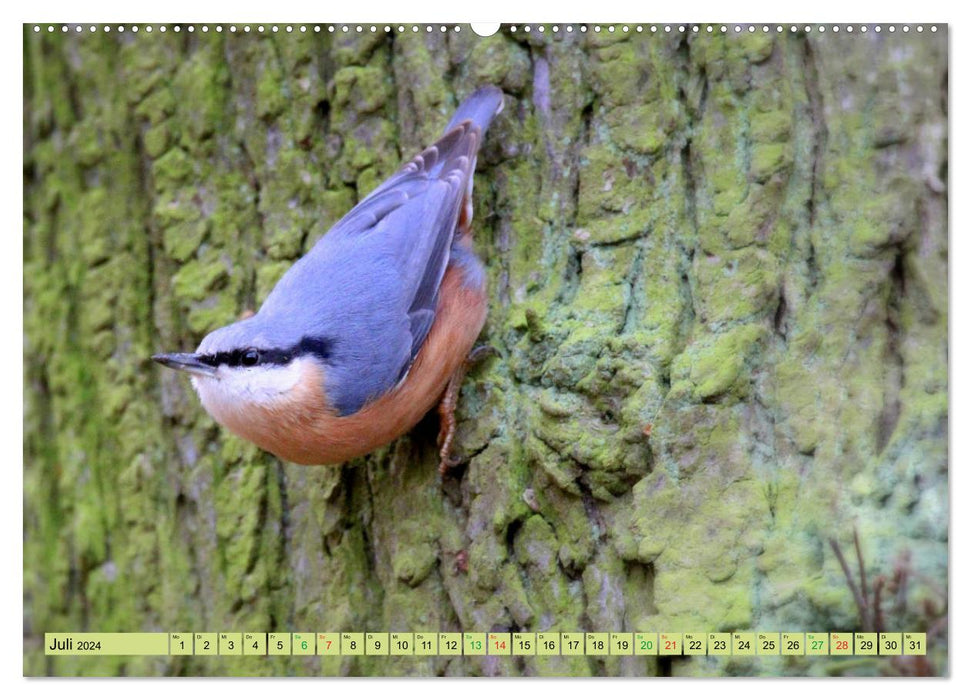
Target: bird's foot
<point x="446" y="408"/>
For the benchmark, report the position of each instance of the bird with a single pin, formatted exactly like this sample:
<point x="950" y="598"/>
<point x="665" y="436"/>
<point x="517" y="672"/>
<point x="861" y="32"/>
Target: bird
<point x="373" y="327"/>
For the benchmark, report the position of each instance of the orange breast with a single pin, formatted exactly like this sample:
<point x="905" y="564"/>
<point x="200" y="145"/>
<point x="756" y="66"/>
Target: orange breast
<point x="295" y="431"/>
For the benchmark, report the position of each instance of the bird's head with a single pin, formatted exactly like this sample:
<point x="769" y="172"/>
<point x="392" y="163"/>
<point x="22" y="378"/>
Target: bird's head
<point x="242" y="368"/>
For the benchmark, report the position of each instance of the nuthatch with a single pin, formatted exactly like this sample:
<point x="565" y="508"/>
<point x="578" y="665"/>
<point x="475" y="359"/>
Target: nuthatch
<point x="372" y="327"/>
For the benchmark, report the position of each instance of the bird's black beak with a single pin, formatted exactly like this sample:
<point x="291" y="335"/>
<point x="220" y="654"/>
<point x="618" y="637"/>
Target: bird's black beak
<point x="185" y="361"/>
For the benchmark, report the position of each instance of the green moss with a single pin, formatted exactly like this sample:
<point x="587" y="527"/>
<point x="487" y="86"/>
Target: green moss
<point x="367" y="146"/>
<point x="616" y="72"/>
<point x="564" y="474"/>
<point x="362" y="89"/>
<point x="173" y="167"/>
<point x="88" y="143"/>
<point x="714" y="365"/>
<point x="157" y="106"/>
<point x="157" y="140"/>
<point x="801" y="398"/>
<point x="197" y="278"/>
<point x="607" y="187"/>
<point x="420" y="58"/>
<point x="638" y="128"/>
<point x="202" y="82"/>
<point x="182" y="239"/>
<point x="271" y="93"/>
<point x="771" y="127"/>
<point x="769" y="159"/>
<point x="211" y="314"/>
<point x="496" y="60"/>
<point x="414" y="566"/>
<point x="737" y="285"/>
<point x="755" y="46"/>
<point x="356" y="48"/>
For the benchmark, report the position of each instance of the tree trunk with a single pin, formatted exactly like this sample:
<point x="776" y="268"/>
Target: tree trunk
<point x="718" y="282"/>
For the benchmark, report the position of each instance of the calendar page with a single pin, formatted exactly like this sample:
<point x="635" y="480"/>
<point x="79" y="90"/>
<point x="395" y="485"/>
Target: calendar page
<point x="516" y="349"/>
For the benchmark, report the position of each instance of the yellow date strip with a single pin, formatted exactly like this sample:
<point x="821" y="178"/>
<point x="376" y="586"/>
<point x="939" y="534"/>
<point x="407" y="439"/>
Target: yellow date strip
<point x="263" y="644"/>
<point x="108" y="644"/>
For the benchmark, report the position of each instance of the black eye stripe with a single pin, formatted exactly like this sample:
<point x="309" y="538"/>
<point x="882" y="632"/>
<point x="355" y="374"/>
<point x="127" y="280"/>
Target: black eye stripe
<point x="314" y="345"/>
<point x="243" y="357"/>
<point x="275" y="357"/>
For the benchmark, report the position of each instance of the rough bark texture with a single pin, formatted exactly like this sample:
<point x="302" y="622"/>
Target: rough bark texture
<point x="718" y="271"/>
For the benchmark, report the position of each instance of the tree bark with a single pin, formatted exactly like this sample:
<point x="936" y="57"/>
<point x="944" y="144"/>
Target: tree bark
<point x="718" y="282"/>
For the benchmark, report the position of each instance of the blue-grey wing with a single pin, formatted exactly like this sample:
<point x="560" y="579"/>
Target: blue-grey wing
<point x="371" y="284"/>
<point x="418" y="208"/>
<point x="412" y="219"/>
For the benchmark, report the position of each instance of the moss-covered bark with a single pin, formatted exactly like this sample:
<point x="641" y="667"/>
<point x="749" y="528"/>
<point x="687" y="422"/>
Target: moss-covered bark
<point x="718" y="270"/>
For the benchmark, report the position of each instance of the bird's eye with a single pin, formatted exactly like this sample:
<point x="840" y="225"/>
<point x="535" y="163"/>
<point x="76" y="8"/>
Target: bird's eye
<point x="250" y="357"/>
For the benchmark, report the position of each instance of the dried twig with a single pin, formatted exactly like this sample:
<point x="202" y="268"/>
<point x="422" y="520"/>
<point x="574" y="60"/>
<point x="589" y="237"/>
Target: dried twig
<point x="863" y="586"/>
<point x="860" y="604"/>
<point x="877" y="620"/>
<point x="900" y="582"/>
<point x="870" y="606"/>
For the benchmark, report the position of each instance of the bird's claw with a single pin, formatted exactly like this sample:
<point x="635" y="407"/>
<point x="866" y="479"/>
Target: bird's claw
<point x="447" y="462"/>
<point x="446" y="408"/>
<point x="480" y="353"/>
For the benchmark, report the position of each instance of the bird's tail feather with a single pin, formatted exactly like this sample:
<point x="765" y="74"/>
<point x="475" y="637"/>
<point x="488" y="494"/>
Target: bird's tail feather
<point x="480" y="107"/>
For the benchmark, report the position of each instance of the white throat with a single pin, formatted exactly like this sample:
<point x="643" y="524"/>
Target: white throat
<point x="233" y="389"/>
